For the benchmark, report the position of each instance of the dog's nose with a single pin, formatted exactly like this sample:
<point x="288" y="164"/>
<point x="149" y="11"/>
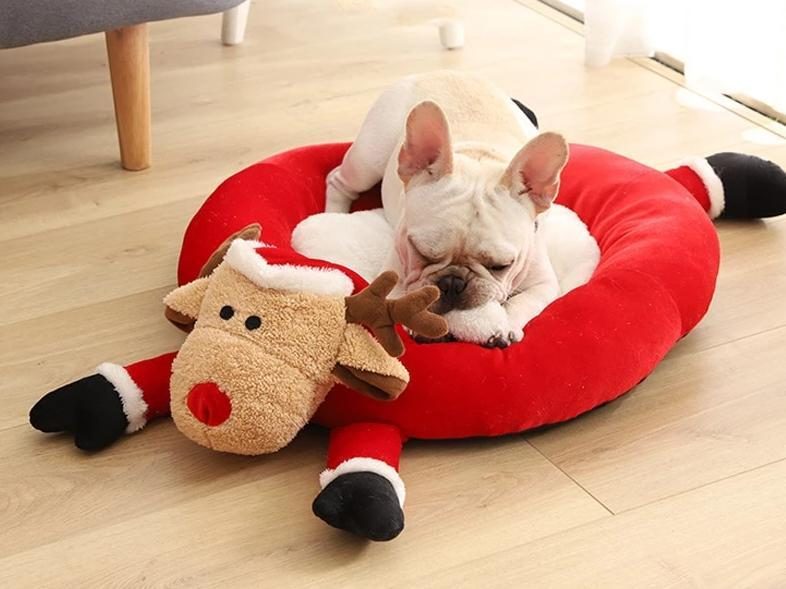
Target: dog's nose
<point x="451" y="287"/>
<point x="209" y="404"/>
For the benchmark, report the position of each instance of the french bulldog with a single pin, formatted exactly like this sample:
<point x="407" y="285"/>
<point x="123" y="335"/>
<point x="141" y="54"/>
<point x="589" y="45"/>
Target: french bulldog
<point x="466" y="182"/>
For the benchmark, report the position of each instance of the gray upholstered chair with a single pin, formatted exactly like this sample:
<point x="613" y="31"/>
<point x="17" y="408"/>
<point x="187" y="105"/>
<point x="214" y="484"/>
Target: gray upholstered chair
<point x="24" y="22"/>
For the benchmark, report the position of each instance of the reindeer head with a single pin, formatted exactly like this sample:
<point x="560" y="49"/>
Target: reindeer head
<point x="270" y="340"/>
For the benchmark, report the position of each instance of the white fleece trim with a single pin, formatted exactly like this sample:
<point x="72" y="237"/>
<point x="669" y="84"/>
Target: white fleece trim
<point x="366" y="465"/>
<point x="361" y="241"/>
<point x="711" y="182"/>
<point x="573" y="252"/>
<point x="131" y="397"/>
<point x="243" y="257"/>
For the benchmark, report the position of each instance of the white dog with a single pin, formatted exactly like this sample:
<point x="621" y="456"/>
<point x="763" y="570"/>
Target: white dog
<point x="466" y="180"/>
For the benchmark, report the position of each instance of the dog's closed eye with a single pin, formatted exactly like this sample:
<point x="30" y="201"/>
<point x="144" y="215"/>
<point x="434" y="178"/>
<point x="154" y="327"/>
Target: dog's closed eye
<point x="499" y="267"/>
<point x="427" y="260"/>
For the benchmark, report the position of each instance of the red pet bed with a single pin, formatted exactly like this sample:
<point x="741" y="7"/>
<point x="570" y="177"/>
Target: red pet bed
<point x="659" y="262"/>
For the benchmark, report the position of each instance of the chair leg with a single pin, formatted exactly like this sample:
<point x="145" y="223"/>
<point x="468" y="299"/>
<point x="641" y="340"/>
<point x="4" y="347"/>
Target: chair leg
<point x="129" y="68"/>
<point x="233" y="24"/>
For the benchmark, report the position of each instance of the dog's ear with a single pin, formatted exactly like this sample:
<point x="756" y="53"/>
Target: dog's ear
<point x="426" y="147"/>
<point x="535" y="169"/>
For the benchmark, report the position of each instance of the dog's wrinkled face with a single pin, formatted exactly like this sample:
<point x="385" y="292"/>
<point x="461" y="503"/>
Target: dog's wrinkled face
<point x="470" y="218"/>
<point x="470" y="241"/>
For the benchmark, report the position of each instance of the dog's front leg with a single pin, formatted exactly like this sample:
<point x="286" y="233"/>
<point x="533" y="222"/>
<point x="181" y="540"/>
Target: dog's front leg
<point x="365" y="162"/>
<point x="537" y="291"/>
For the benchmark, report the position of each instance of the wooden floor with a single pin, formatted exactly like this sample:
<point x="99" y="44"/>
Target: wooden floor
<point x="680" y="484"/>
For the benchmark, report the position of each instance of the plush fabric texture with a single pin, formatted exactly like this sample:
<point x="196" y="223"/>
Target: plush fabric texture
<point x="152" y="378"/>
<point x="360" y="241"/>
<point x="260" y="360"/>
<point x="369" y="447"/>
<point x="753" y="187"/>
<point x="248" y="258"/>
<point x="131" y="396"/>
<point x="89" y="408"/>
<point x="355" y="353"/>
<point x="363" y="503"/>
<point x="373" y="309"/>
<point x="274" y="375"/>
<point x="654" y="282"/>
<point x="23" y="22"/>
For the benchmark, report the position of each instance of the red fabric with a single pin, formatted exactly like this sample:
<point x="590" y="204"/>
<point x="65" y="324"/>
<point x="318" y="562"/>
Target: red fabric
<point x="209" y="404"/>
<point x="365" y="440"/>
<point x="654" y="282"/>
<point x="691" y="180"/>
<point x="291" y="184"/>
<point x="152" y="376"/>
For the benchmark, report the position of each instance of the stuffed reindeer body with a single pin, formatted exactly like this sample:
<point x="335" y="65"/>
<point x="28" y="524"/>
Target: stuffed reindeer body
<point x="270" y="333"/>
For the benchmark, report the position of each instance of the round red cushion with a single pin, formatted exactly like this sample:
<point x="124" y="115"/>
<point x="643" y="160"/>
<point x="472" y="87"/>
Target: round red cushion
<point x="659" y="262"/>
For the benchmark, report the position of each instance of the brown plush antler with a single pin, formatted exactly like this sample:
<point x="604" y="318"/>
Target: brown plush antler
<point x="372" y="308"/>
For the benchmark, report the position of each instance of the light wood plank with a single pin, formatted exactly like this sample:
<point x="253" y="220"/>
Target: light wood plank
<point x="732" y="534"/>
<point x="169" y="522"/>
<point x="98" y="261"/>
<point x="45" y="353"/>
<point x="699" y="418"/>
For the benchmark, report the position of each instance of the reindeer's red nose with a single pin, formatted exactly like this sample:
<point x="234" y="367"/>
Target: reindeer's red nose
<point x="209" y="404"/>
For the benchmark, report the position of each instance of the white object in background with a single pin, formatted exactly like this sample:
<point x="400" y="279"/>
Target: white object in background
<point x="731" y="47"/>
<point x="233" y="24"/>
<point x="451" y="34"/>
<point x="617" y="28"/>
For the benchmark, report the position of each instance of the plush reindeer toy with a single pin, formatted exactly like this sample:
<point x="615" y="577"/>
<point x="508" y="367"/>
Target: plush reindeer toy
<point x="270" y="333"/>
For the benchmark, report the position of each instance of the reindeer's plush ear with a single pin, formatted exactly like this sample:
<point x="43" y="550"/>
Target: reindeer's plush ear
<point x="183" y="303"/>
<point x="364" y="365"/>
<point x="253" y="231"/>
<point x="535" y="170"/>
<point x="376" y="386"/>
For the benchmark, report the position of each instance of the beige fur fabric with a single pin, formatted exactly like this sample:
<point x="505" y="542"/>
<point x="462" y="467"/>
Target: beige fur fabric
<point x="275" y="376"/>
<point x="276" y="373"/>
<point x="360" y="351"/>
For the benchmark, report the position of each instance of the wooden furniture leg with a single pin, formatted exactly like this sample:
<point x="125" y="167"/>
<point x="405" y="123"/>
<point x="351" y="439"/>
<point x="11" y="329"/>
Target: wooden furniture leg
<point x="129" y="68"/>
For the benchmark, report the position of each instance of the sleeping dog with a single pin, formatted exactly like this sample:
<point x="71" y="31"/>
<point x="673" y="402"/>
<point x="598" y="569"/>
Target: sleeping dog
<point x="466" y="185"/>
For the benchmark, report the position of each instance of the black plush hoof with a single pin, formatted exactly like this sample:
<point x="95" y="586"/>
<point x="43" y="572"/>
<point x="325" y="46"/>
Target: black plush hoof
<point x="89" y="408"/>
<point x="753" y="188"/>
<point x="363" y="503"/>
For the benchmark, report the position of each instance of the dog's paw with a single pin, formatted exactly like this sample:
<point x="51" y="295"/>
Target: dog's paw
<point x="338" y="197"/>
<point x="503" y="340"/>
<point x="487" y="325"/>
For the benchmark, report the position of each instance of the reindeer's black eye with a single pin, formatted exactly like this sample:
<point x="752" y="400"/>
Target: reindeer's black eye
<point x="226" y="312"/>
<point x="253" y="322"/>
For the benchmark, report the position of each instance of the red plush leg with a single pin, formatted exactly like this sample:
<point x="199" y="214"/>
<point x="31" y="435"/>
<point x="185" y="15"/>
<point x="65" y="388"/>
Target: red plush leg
<point x="143" y="388"/>
<point x="703" y="183"/>
<point x="152" y="376"/>
<point x="365" y="447"/>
